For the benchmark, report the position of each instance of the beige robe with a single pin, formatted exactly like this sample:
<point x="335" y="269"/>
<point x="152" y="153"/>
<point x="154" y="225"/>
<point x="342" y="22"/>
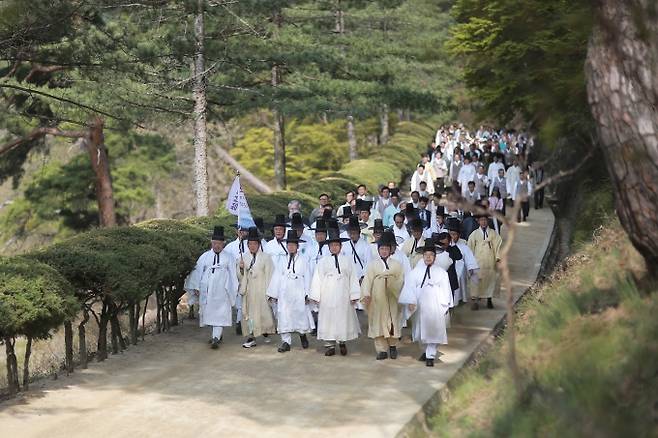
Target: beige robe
<point x="383" y="286"/>
<point x="256" y="311"/>
<point x="487" y="253"/>
<point x="409" y="250"/>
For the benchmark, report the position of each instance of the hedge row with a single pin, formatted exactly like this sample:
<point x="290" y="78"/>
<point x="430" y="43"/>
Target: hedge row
<point x="105" y="273"/>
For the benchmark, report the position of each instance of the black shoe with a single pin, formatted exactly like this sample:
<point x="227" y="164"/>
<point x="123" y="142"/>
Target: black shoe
<point x="382" y="355"/>
<point x="238" y="329"/>
<point x="214" y="344"/>
<point x="304" y="340"/>
<point x="343" y="349"/>
<point x="422" y="358"/>
<point x="330" y="351"/>
<point x="489" y="303"/>
<point x="284" y="347"/>
<point x="393" y="352"/>
<point x="429" y="362"/>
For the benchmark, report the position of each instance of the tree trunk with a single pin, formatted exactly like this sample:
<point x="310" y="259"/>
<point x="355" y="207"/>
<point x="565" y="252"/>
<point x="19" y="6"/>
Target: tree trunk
<point x="101" y="167"/>
<point x="12" y="365"/>
<point x="82" y="339"/>
<point x="279" y="149"/>
<point x="68" y="347"/>
<point x="200" y="105"/>
<point x="26" y="364"/>
<point x="146" y="304"/>
<point x="101" y="350"/>
<point x="158" y="311"/>
<point x="134" y="323"/>
<point x="384" y="125"/>
<point x="622" y="85"/>
<point x="245" y="175"/>
<point x="173" y="307"/>
<point x="351" y="138"/>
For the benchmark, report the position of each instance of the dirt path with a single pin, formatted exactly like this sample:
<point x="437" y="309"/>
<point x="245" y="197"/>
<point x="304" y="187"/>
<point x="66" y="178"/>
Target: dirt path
<point x="174" y="385"/>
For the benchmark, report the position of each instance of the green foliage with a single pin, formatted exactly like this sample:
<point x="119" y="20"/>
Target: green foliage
<point x="34" y="298"/>
<point x="63" y="197"/>
<point x="526" y="58"/>
<point x="586" y="348"/>
<point x="311" y="150"/>
<point x="127" y="263"/>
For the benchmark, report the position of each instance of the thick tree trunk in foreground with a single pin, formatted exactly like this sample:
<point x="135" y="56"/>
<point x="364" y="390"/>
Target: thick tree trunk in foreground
<point x="351" y="138"/>
<point x="622" y="85"/>
<point x="101" y="166"/>
<point x="200" y="105"/>
<point x="82" y="339"/>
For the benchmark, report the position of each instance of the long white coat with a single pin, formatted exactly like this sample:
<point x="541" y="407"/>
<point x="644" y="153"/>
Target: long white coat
<point x="218" y="292"/>
<point x="361" y="258"/>
<point x="463" y="266"/>
<point x="433" y="300"/>
<point x="290" y="287"/>
<point x="337" y="320"/>
<point x="193" y="278"/>
<point x="279" y="253"/>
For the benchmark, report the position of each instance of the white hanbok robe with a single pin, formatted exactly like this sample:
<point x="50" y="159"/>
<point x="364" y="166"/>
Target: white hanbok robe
<point x="334" y="291"/>
<point x="464" y="266"/>
<point x="401" y="234"/>
<point x="359" y="254"/>
<point x="279" y="253"/>
<point x="466" y="173"/>
<point x="194" y="278"/>
<point x="218" y="290"/>
<point x="433" y="299"/>
<point x="290" y="287"/>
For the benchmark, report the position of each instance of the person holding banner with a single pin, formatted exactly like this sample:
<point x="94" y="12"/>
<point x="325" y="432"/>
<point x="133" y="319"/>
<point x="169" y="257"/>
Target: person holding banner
<point x="255" y="274"/>
<point x="237" y="205"/>
<point x="218" y="287"/>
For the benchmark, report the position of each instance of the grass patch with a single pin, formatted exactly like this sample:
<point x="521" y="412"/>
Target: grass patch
<point x="587" y="349"/>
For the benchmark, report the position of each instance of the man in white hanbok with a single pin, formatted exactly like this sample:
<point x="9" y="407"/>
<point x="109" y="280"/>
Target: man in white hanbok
<point x="467" y="268"/>
<point x="218" y="288"/>
<point x="427" y="293"/>
<point x="335" y="288"/>
<point x="289" y="289"/>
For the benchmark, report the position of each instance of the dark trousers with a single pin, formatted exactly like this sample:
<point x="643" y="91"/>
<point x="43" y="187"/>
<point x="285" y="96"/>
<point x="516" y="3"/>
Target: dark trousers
<point x="524" y="211"/>
<point x="539" y="198"/>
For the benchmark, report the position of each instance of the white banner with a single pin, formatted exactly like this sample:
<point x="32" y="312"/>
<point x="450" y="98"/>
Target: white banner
<point x="237" y="205"/>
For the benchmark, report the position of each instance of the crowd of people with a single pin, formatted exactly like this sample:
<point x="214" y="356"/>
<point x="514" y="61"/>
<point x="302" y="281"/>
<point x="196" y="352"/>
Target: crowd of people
<point x="403" y="260"/>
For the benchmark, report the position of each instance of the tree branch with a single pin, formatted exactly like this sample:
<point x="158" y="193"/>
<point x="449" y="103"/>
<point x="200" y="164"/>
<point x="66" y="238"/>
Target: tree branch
<point x="38" y="133"/>
<point x="72" y="102"/>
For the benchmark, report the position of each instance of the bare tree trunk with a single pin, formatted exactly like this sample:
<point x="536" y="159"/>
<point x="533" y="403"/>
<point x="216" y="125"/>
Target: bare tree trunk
<point x="101" y="167"/>
<point x="351" y="138"/>
<point x="101" y="350"/>
<point x="12" y="365"/>
<point x="279" y="148"/>
<point x="68" y="346"/>
<point x="146" y="304"/>
<point x="200" y="106"/>
<point x="173" y="307"/>
<point x="82" y="339"/>
<point x="134" y="323"/>
<point x="622" y="85"/>
<point x="26" y="364"/>
<point x="384" y="125"/>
